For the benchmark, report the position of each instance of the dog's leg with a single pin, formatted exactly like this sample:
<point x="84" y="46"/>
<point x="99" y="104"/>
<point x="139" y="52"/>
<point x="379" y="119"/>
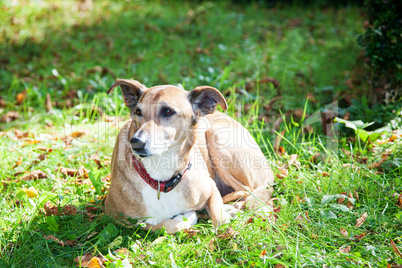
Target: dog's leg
<point x="215" y="209"/>
<point x="178" y="223"/>
<point x="234" y="196"/>
<point x="259" y="199"/>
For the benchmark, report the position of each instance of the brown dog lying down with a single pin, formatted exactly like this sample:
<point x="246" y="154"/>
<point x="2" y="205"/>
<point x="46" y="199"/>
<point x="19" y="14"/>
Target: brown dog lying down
<point x="178" y="155"/>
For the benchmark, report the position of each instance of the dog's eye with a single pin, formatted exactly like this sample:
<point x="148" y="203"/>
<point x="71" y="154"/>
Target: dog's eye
<point x="138" y="112"/>
<point x="166" y="112"/>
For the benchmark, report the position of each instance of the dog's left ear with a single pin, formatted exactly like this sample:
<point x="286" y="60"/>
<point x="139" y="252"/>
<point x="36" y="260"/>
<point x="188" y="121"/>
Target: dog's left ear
<point x="204" y="100"/>
<point x="132" y="91"/>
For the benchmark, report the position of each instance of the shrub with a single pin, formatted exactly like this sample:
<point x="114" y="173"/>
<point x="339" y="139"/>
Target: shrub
<point x="382" y="42"/>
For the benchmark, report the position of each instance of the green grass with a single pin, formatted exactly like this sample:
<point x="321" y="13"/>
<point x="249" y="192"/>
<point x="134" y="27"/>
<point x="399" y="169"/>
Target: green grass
<point x="223" y="45"/>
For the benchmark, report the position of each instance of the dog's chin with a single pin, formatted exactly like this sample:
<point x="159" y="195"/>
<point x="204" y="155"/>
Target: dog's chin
<point x="141" y="154"/>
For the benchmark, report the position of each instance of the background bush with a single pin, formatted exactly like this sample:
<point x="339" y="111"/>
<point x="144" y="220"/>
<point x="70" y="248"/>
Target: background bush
<point x="382" y="43"/>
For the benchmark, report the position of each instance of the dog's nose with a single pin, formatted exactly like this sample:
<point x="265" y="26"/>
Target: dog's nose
<point x="137" y="144"/>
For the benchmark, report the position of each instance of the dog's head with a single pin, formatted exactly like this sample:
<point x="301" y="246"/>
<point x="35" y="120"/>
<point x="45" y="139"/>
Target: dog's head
<point x="165" y="115"/>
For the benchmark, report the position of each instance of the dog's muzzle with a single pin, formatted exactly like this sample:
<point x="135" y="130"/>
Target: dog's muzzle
<point x="138" y="147"/>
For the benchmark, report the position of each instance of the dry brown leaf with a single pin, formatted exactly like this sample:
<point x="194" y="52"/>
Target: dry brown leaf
<point x="85" y="257"/>
<point x="283" y="173"/>
<point x="34" y="175"/>
<point x="77" y="134"/>
<point x="55" y="239"/>
<point x="360" y="236"/>
<point x="20" y="134"/>
<point x="81" y="172"/>
<point x="48" y="103"/>
<point x="250" y="220"/>
<point x="278" y="149"/>
<point x="395" y="248"/>
<point x="361" y="220"/>
<point x="377" y="164"/>
<point x="344" y="232"/>
<point x="56" y="211"/>
<point x="191" y="232"/>
<point x="21" y="97"/>
<point x="9" y="117"/>
<point x="121" y="251"/>
<point x="71" y="243"/>
<point x="345" y="249"/>
<point x="293" y="161"/>
<point x="18" y="162"/>
<point x="340" y="200"/>
<point x="97" y="160"/>
<point x="211" y="245"/>
<point x="95" y="262"/>
<point x="227" y="234"/>
<point x="278" y="265"/>
<point x="263" y="252"/>
<point x="314" y="236"/>
<point x="399" y="202"/>
<point x="349" y="205"/>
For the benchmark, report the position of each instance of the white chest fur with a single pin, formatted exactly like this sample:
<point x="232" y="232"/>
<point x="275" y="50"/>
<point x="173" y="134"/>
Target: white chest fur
<point x="169" y="205"/>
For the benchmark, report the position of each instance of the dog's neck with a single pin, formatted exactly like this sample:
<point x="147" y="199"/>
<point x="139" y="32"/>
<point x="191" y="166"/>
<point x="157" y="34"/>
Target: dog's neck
<point x="163" y="167"/>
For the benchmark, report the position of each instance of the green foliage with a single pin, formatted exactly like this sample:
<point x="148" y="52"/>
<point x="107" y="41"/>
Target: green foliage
<point x="382" y="40"/>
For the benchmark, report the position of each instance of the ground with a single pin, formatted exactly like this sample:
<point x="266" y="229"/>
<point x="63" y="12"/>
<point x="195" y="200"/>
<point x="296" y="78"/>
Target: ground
<point x="286" y="71"/>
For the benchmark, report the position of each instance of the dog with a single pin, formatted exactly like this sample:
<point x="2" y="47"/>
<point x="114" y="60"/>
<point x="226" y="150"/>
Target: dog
<point x="177" y="155"/>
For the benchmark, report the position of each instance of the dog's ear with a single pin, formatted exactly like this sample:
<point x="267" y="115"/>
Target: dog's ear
<point x="204" y="100"/>
<point x="131" y="89"/>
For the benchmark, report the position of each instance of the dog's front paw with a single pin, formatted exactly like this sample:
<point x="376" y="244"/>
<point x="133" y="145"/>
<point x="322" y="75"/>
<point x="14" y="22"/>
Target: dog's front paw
<point x="186" y="220"/>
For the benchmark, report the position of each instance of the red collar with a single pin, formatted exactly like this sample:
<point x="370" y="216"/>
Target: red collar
<point x="165" y="186"/>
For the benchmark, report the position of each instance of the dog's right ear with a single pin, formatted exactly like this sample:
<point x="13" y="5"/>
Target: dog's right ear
<point x="131" y="89"/>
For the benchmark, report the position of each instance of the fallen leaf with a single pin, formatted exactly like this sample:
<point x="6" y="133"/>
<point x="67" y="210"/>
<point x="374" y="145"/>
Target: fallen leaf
<point x="70" y="242"/>
<point x="278" y="265"/>
<point x="21" y="97"/>
<point x="395" y="248"/>
<point x="344" y="232"/>
<point x="18" y="162"/>
<point x="361" y="220"/>
<point x="85" y="257"/>
<point x="77" y="134"/>
<point x="278" y="149"/>
<point x="9" y="117"/>
<point x="263" y="252"/>
<point x="314" y="236"/>
<point x="34" y="175"/>
<point x="96" y="159"/>
<point x="56" y="211"/>
<point x="399" y="202"/>
<point x="31" y="192"/>
<point x="81" y="172"/>
<point x="360" y="236"/>
<point x="95" y="262"/>
<point x="48" y="103"/>
<point x="227" y="234"/>
<point x="20" y="134"/>
<point x="211" y="245"/>
<point x="293" y="161"/>
<point x="191" y="232"/>
<point x="250" y="220"/>
<point x="283" y="173"/>
<point x="349" y="205"/>
<point x="345" y="249"/>
<point x="55" y="239"/>
<point x="377" y="164"/>
<point x="340" y="200"/>
<point x="121" y="251"/>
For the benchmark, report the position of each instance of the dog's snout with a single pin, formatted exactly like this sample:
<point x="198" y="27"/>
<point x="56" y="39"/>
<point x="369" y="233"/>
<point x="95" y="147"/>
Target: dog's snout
<point x="137" y="144"/>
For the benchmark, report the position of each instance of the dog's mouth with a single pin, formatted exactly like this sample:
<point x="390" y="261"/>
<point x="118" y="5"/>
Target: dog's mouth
<point x="141" y="153"/>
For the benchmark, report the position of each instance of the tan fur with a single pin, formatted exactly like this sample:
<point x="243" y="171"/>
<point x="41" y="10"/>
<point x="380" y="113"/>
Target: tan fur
<point x="220" y="150"/>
